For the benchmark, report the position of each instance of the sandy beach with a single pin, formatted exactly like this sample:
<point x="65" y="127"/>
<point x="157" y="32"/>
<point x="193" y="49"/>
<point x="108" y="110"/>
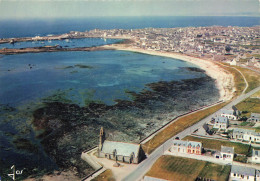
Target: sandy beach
<point x="224" y="79"/>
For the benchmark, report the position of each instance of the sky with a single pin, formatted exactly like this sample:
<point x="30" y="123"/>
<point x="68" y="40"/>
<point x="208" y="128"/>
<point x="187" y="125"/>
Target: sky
<point x="22" y="9"/>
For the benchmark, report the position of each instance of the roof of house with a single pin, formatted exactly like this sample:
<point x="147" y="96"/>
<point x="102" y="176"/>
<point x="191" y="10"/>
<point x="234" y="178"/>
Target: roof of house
<point x="221" y="119"/>
<point x="243" y="170"/>
<point x="245" y="131"/>
<point x="225" y="111"/>
<point x="187" y="143"/>
<point x="255" y="115"/>
<point x="255" y="152"/>
<point x="124" y="149"/>
<point x="226" y="149"/>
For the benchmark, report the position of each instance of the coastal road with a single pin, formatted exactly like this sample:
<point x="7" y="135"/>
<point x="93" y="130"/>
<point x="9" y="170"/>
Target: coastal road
<point x="144" y="166"/>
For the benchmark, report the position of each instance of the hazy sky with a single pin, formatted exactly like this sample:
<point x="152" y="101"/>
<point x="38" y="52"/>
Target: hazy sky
<point x="84" y="8"/>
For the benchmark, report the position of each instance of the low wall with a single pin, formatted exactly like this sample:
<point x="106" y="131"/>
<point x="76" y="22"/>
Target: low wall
<point x="90" y="161"/>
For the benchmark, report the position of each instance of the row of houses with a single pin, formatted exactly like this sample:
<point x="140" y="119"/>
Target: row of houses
<point x="245" y="135"/>
<point x="194" y="147"/>
<point x="222" y="121"/>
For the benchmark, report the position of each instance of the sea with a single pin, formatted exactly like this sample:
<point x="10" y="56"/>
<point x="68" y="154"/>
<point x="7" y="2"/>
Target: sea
<point x="29" y="80"/>
<point x="44" y="27"/>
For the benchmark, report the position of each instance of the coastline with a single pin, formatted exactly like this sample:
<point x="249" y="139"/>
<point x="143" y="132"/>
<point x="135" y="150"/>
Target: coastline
<point x="223" y="79"/>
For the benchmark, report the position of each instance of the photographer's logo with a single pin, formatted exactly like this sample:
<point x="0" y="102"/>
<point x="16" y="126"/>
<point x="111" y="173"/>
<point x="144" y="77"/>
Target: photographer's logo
<point x="17" y="172"/>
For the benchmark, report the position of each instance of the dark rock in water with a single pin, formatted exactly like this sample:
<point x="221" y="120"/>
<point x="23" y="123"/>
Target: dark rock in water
<point x="24" y="144"/>
<point x="195" y="69"/>
<point x="68" y="129"/>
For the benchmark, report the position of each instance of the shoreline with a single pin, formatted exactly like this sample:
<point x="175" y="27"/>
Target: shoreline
<point x="223" y="79"/>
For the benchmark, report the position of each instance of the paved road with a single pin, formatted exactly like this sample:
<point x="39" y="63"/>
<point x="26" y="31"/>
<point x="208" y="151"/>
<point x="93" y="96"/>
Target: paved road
<point x="147" y="164"/>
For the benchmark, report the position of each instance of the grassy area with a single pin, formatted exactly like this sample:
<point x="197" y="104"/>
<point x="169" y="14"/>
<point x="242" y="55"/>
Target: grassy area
<point x="216" y="144"/>
<point x="105" y="176"/>
<point x="249" y="105"/>
<point x="239" y="158"/>
<point x="169" y="167"/>
<point x="256" y="55"/>
<point x="252" y="78"/>
<point x="178" y="126"/>
<point x="257" y="94"/>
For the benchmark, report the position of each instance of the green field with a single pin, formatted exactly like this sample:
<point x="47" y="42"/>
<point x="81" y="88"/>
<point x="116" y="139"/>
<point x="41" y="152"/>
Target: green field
<point x="252" y="78"/>
<point x="249" y="105"/>
<point x="179" y="169"/>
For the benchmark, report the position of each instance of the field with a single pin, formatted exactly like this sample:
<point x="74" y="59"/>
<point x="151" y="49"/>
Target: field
<point x="178" y="126"/>
<point x="252" y="78"/>
<point x="216" y="144"/>
<point x="249" y="105"/>
<point x="179" y="169"/>
<point x="256" y="95"/>
<point x="105" y="176"/>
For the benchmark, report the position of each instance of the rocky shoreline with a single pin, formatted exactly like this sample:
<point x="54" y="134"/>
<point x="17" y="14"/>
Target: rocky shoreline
<point x="6" y="51"/>
<point x="68" y="129"/>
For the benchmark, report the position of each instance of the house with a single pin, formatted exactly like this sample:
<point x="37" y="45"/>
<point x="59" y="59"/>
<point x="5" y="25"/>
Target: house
<point x="255" y="156"/>
<point x="246" y="135"/>
<point x="255" y="117"/>
<point x="190" y="147"/>
<point x="242" y="173"/>
<point x="221" y="123"/>
<point x="233" y="62"/>
<point x="230" y="114"/>
<point x="119" y="151"/>
<point x="227" y="153"/>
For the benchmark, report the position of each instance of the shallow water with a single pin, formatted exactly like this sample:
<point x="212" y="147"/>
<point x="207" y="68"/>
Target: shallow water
<point x="27" y="80"/>
<point x="27" y="77"/>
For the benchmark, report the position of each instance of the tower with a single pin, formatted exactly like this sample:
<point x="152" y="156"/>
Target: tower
<point x="101" y="138"/>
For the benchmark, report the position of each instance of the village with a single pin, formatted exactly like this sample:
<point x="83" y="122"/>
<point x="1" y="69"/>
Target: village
<point x="234" y="45"/>
<point x="229" y="138"/>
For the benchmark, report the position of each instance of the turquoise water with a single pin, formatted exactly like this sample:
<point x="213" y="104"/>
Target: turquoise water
<point x="66" y="43"/>
<point x="104" y="74"/>
<point x="26" y="80"/>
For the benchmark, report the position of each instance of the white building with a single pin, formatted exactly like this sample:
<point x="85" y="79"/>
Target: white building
<point x="240" y="173"/>
<point x="221" y="123"/>
<point x="255" y="156"/>
<point x="246" y="135"/>
<point x="255" y="117"/>
<point x="230" y="114"/>
<point x="227" y="153"/>
<point x="190" y="147"/>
